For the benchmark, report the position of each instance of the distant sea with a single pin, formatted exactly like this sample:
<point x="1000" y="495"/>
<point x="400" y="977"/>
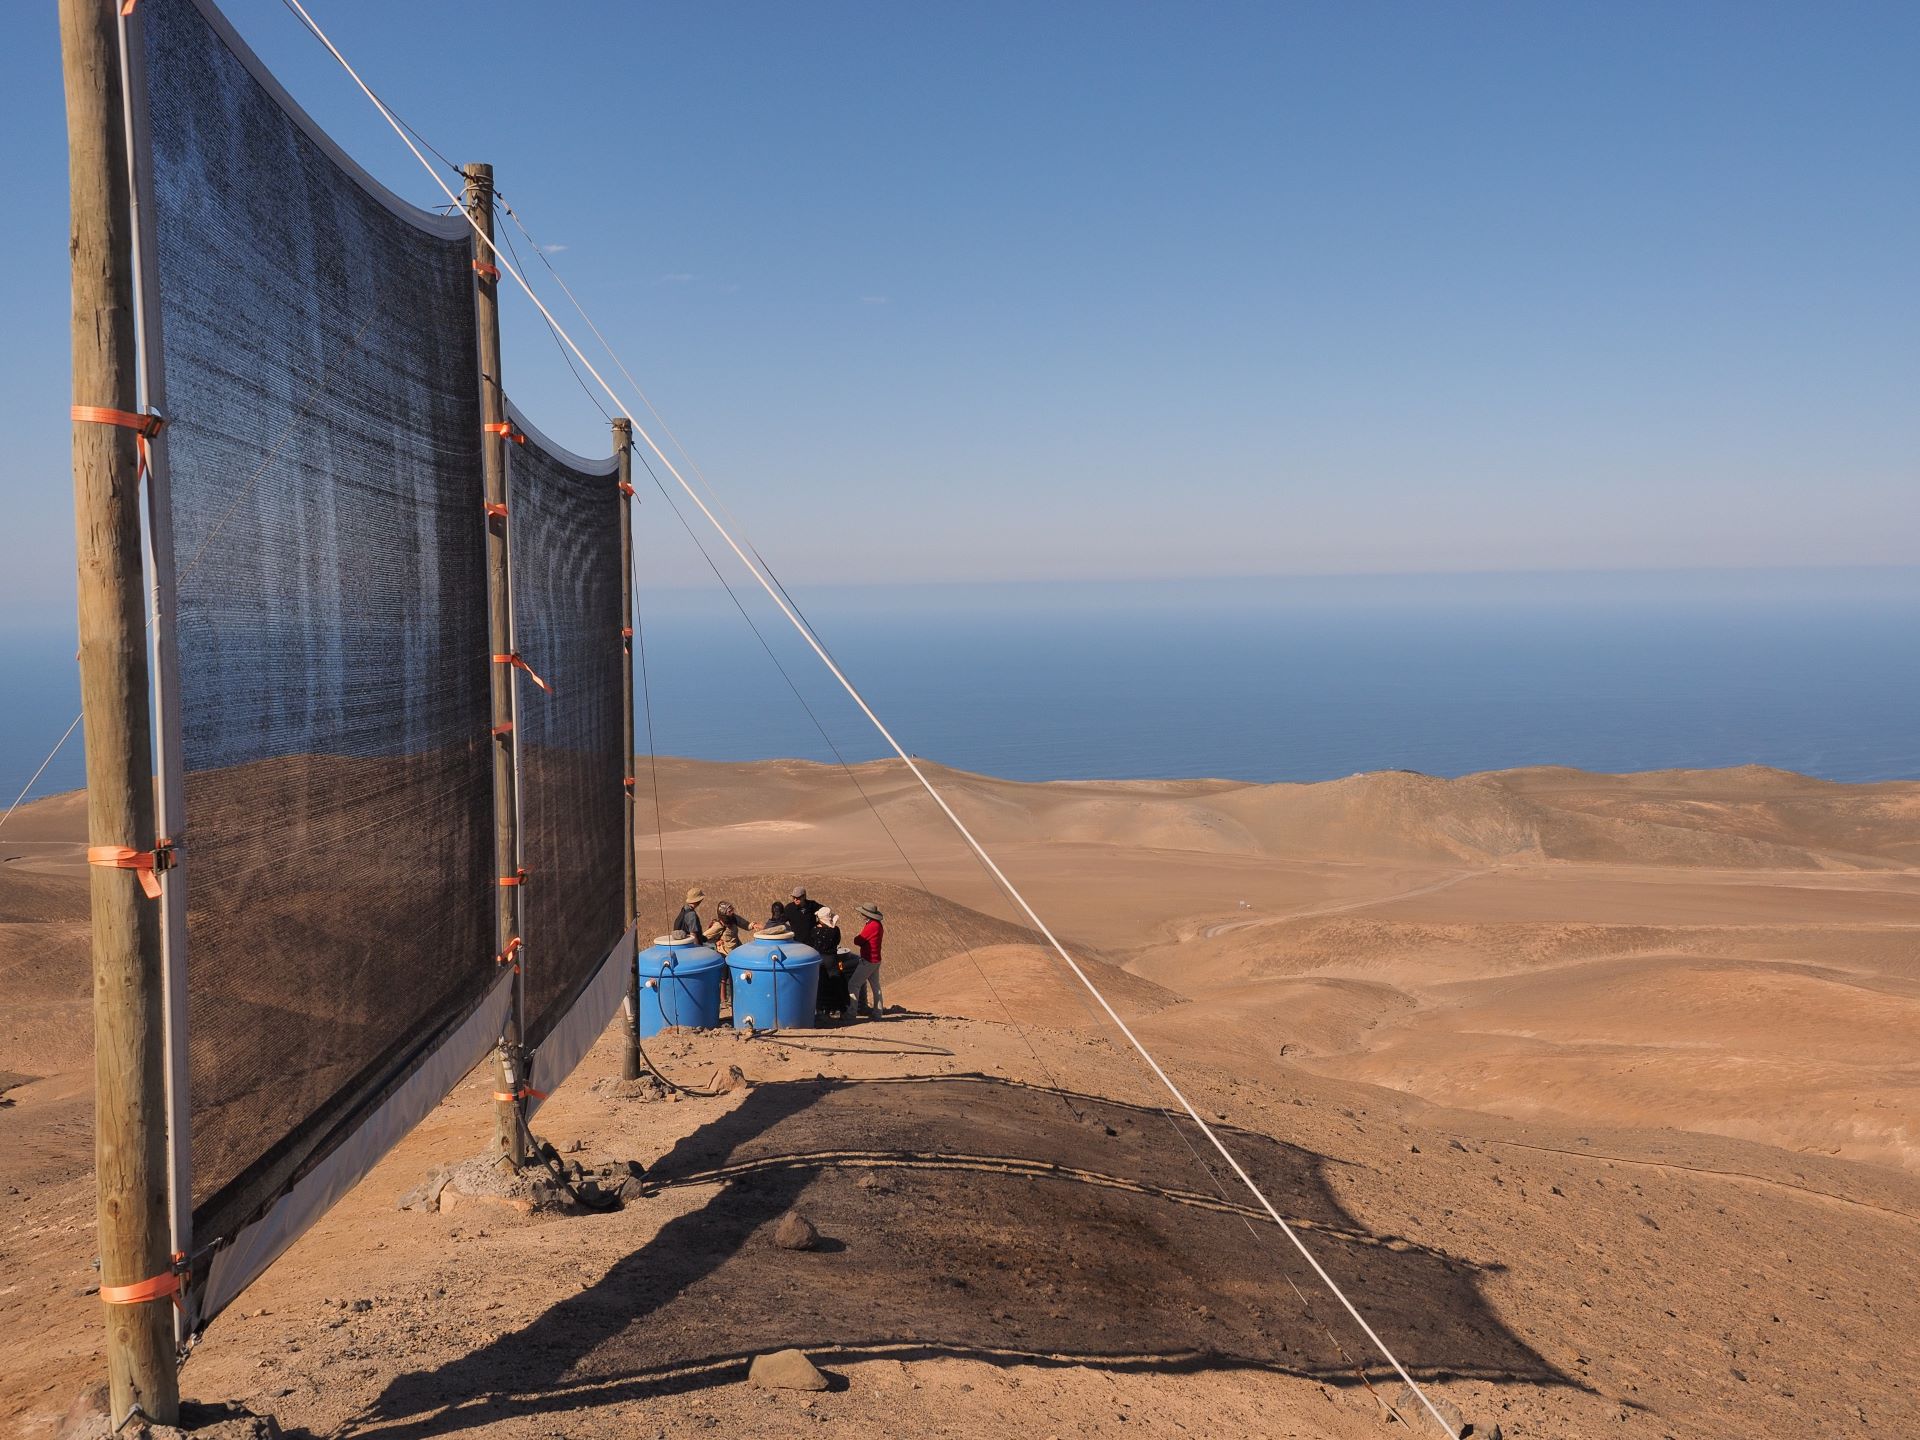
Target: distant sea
<point x="1297" y="679"/>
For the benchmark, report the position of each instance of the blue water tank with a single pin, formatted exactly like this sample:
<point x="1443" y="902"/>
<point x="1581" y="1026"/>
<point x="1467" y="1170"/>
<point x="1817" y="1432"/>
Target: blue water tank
<point x="679" y="985"/>
<point x="774" y="984"/>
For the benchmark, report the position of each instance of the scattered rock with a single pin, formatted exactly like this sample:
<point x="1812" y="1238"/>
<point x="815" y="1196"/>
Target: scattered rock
<point x="488" y="1184"/>
<point x="1456" y="1145"/>
<point x="644" y="1089"/>
<point x="795" y="1232"/>
<point x="1413" y="1412"/>
<point x="426" y="1195"/>
<point x="89" y="1405"/>
<point x="785" y="1370"/>
<point x="1413" y="1149"/>
<point x="87" y="1419"/>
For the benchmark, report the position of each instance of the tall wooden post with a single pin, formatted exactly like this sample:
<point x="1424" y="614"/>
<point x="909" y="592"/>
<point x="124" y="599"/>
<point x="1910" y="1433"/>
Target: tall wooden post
<point x="509" y="1122"/>
<point x="623" y="454"/>
<point x="130" y="1141"/>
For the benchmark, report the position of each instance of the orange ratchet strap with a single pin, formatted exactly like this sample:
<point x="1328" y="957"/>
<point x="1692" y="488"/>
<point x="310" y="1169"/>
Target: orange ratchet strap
<point x="626" y="489"/>
<point x="486" y="271"/>
<point x="144" y="427"/>
<point x="506" y="729"/>
<point x="506" y="430"/>
<point x="514" y="659"/>
<point x="519" y="877"/>
<point x="525" y="1092"/>
<point x="627" y="784"/>
<point x="126" y="7"/>
<point x="158" y="1288"/>
<point x="513" y="948"/>
<point x="497" y="507"/>
<point x="626" y="632"/>
<point x="145" y="862"/>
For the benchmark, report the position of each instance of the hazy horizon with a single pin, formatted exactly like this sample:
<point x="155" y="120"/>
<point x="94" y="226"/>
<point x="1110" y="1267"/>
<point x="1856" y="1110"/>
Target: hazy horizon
<point x="1268" y="679"/>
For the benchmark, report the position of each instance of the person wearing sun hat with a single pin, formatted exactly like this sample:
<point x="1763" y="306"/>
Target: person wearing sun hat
<point x="866" y="974"/>
<point x="689" y="917"/>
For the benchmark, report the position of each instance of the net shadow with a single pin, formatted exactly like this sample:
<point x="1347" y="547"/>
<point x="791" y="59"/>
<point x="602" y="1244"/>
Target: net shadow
<point x="974" y="1218"/>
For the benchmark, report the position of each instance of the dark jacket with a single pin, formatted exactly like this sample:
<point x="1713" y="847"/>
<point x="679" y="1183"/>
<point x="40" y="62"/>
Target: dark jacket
<point x="799" y="916"/>
<point x="826" y="939"/>
<point x="689" y="920"/>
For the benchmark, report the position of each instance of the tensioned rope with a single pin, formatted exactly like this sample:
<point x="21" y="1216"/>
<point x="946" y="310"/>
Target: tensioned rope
<point x="940" y="905"/>
<point x="1013" y="891"/>
<point x="35" y="779"/>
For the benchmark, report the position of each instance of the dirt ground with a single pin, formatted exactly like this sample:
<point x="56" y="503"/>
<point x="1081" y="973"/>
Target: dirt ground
<point x="1597" y="1094"/>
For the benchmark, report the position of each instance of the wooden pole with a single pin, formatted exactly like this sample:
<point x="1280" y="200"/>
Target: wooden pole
<point x="130" y="1140"/>
<point x="509" y="1118"/>
<point x="623" y="454"/>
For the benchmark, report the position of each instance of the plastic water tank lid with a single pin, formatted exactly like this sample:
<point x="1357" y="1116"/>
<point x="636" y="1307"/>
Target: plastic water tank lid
<point x="675" y="939"/>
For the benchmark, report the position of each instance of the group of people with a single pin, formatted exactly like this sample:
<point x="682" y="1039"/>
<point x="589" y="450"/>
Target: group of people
<point x="849" y="979"/>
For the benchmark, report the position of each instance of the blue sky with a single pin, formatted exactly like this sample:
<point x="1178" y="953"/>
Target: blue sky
<point x="993" y="291"/>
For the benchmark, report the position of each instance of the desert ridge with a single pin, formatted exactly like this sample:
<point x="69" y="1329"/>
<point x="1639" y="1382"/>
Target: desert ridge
<point x="1601" y="1090"/>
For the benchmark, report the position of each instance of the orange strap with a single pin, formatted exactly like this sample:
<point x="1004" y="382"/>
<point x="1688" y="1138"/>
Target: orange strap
<point x="506" y="958"/>
<point x="505" y="429"/>
<point x="514" y="659"/>
<point x="145" y="862"/>
<point x="497" y="508"/>
<point x="144" y="427"/>
<point x="141" y="1291"/>
<point x="519" y="877"/>
<point x="506" y="729"/>
<point x="626" y="489"/>
<point x="126" y="7"/>
<point x="627" y="784"/>
<point x="486" y="271"/>
<point x="523" y="1093"/>
<point x="626" y="632"/>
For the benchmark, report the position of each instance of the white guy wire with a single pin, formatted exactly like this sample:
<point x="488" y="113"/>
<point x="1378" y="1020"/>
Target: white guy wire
<point x="41" y="771"/>
<point x="806" y="633"/>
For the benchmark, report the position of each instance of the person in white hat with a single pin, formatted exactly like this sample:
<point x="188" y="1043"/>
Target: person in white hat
<point x="689" y="917"/>
<point x="835" y="964"/>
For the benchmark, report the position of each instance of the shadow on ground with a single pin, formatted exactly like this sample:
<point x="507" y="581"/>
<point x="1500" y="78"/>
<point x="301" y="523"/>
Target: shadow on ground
<point x="982" y="1219"/>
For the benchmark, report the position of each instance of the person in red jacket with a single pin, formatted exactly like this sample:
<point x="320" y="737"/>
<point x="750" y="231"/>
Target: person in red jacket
<point x="866" y="975"/>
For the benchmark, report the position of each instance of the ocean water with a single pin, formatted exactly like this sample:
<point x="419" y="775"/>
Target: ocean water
<point x="1303" y="679"/>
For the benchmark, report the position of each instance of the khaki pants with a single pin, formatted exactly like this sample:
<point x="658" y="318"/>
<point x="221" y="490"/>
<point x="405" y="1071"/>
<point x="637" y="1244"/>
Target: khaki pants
<point x="865" y="976"/>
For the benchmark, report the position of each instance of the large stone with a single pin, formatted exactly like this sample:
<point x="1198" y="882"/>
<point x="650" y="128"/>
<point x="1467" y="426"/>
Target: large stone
<point x="426" y="1195"/>
<point x="1419" y="1420"/>
<point x="795" y="1232"/>
<point x="87" y="1417"/>
<point x="785" y="1370"/>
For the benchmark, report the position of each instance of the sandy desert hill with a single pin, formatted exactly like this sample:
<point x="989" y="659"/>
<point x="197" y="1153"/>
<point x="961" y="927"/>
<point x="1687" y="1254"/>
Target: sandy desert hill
<point x="1602" y="1094"/>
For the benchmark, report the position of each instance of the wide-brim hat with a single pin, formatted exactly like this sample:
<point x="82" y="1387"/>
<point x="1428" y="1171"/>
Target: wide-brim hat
<point x="872" y="912"/>
<point x="696" y="895"/>
<point x="774" y="932"/>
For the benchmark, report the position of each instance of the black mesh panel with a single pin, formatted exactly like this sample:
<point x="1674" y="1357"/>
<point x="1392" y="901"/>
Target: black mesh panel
<point x="322" y="392"/>
<point x="567" y="616"/>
